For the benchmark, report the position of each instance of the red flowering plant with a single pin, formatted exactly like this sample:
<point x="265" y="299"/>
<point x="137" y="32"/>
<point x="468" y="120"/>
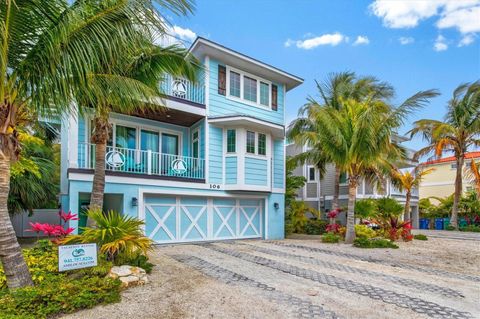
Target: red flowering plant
<point x="57" y="231"/>
<point x="396" y="229"/>
<point x="333" y="228"/>
<point x="332" y="215"/>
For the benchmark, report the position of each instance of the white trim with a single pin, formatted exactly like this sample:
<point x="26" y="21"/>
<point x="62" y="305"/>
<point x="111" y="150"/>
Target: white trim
<point x="246" y="118"/>
<point x="243" y="57"/>
<point x="154" y="191"/>
<point x="207" y="125"/>
<point x="278" y="190"/>
<point x="183" y="107"/>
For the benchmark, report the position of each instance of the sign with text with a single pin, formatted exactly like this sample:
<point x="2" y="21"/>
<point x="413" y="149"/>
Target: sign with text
<point x="77" y="256"/>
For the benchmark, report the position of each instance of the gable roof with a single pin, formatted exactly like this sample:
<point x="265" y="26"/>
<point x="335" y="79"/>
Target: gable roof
<point x="205" y="47"/>
<point x="452" y="158"/>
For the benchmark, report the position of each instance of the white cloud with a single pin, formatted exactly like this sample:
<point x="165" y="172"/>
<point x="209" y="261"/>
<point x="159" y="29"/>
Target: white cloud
<point x="465" y="20"/>
<point x="466" y="40"/>
<point x="461" y="14"/>
<point x="332" y="39"/>
<point x="406" y="40"/>
<point x="176" y="35"/>
<point x="440" y="44"/>
<point x="361" y="40"/>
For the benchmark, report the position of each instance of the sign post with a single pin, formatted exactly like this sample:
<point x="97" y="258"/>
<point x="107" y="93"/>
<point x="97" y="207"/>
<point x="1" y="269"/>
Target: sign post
<point x="77" y="256"/>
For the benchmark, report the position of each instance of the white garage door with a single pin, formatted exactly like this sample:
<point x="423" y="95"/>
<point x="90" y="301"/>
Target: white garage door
<point x="186" y="219"/>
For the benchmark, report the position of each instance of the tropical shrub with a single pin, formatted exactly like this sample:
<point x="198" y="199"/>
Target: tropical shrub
<point x="119" y="237"/>
<point x="330" y="238"/>
<point x="288" y="227"/>
<point x="297" y="215"/>
<point x="315" y="227"/>
<point x="394" y="229"/>
<point x="363" y="231"/>
<point x="420" y="237"/>
<point x="471" y="228"/>
<point x="138" y="261"/>
<point x="365" y="208"/>
<point x="374" y="243"/>
<point x="387" y="208"/>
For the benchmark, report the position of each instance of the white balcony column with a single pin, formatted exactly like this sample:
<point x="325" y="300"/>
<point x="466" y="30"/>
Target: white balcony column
<point x="149" y="162"/>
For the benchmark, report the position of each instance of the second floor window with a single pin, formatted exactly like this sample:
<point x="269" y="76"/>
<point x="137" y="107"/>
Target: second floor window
<point x="251" y="142"/>
<point x="234" y="84"/>
<point x="249" y="89"/>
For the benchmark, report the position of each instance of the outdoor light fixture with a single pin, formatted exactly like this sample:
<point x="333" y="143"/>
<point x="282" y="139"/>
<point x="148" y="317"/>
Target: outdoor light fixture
<point x="134" y="202"/>
<point x="276" y="205"/>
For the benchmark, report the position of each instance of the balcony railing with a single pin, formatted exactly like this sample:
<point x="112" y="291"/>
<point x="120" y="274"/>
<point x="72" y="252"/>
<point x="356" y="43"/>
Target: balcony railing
<point x="183" y="89"/>
<point x="143" y="162"/>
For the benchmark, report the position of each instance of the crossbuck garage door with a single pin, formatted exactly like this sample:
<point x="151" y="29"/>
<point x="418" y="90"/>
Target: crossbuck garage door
<point x="185" y="219"/>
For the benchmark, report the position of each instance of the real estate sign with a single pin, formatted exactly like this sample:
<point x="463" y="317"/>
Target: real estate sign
<point x="77" y="256"/>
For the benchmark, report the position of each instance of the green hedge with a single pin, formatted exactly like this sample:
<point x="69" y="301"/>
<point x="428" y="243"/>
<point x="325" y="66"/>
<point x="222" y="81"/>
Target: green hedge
<point x="374" y="243"/>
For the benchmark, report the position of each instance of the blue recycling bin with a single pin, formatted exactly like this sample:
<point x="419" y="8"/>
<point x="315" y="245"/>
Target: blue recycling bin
<point x="424" y="223"/>
<point x="438" y="223"/>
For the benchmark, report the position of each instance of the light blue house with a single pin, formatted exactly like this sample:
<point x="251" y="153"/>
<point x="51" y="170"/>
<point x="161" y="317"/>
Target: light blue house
<point x="211" y="167"/>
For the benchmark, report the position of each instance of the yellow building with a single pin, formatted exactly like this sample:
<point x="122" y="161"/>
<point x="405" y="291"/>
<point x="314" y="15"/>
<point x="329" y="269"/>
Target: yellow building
<point x="441" y="182"/>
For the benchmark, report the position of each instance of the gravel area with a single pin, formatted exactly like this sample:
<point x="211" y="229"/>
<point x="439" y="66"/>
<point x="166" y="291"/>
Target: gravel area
<point x="303" y="278"/>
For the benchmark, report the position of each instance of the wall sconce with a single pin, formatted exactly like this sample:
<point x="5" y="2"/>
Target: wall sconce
<point x="276" y="205"/>
<point x="134" y="201"/>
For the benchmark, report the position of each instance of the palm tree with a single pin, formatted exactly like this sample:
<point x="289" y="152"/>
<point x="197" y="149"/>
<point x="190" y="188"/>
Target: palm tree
<point x="337" y="86"/>
<point x="132" y="84"/>
<point x="459" y="131"/>
<point x="47" y="48"/>
<point x="473" y="174"/>
<point x="408" y="180"/>
<point x="358" y="139"/>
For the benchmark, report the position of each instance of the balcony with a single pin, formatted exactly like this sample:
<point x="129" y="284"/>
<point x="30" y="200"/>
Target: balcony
<point x="144" y="162"/>
<point x="182" y="90"/>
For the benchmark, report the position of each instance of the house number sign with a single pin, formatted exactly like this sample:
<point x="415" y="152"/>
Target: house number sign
<point x="215" y="186"/>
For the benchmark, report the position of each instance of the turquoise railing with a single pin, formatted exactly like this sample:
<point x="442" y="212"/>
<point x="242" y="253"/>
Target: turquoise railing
<point x="143" y="162"/>
<point x="181" y="88"/>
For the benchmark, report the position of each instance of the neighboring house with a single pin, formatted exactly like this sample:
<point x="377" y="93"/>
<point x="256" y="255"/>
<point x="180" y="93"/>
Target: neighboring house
<point x="211" y="167"/>
<point x="441" y="182"/>
<point x="318" y="193"/>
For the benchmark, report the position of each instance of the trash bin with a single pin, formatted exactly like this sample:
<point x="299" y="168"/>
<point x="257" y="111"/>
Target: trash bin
<point x="438" y="223"/>
<point x="424" y="223"/>
<point x="446" y="223"/>
<point x="463" y="222"/>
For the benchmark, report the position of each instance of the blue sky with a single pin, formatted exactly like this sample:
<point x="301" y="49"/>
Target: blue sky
<point x="414" y="45"/>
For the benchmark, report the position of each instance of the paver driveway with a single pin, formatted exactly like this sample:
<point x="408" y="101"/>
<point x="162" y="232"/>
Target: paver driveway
<point x="306" y="279"/>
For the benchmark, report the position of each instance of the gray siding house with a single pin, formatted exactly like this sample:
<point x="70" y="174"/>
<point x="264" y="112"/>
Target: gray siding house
<point x="318" y="192"/>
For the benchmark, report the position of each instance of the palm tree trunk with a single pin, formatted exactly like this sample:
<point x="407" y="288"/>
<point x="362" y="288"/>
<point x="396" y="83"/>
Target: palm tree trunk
<point x="99" y="138"/>
<point x="408" y="195"/>
<point x="11" y="256"/>
<point x="352" y="194"/>
<point x="336" y="189"/>
<point x="98" y="188"/>
<point x="458" y="192"/>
